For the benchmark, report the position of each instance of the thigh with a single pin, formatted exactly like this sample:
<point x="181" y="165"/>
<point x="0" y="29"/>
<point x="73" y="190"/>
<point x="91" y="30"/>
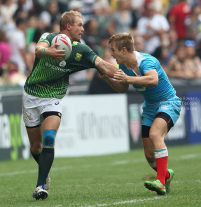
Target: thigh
<point x="159" y="127"/>
<point x="35" y="135"/>
<point x="51" y="122"/>
<point x="157" y="133"/>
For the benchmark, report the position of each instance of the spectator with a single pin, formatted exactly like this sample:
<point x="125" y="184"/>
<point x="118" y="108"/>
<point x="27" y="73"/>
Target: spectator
<point x="136" y="15"/>
<point x="52" y="14"/>
<point x="163" y="53"/>
<point x="5" y="51"/>
<point x="150" y="26"/>
<point x="18" y="45"/>
<point x="75" y="5"/>
<point x="173" y="38"/>
<point x="104" y="39"/>
<point x="139" y="43"/>
<point x="178" y="18"/>
<point x="176" y="66"/>
<point x="122" y="19"/>
<point x="102" y="7"/>
<point x="194" y="28"/>
<point x="192" y="62"/>
<point x="7" y="10"/>
<point x="184" y="64"/>
<point x="91" y="35"/>
<point x="87" y="10"/>
<point x="12" y="76"/>
<point x="36" y="8"/>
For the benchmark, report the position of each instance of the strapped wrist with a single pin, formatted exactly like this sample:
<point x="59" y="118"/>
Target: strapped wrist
<point x="44" y="51"/>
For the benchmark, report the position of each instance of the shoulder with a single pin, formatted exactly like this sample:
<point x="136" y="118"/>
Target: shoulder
<point x="81" y="46"/>
<point x="148" y="60"/>
<point x="47" y="37"/>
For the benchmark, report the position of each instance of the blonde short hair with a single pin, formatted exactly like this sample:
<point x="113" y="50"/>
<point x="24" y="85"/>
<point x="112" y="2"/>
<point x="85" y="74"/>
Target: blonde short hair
<point x="123" y="40"/>
<point x="68" y="18"/>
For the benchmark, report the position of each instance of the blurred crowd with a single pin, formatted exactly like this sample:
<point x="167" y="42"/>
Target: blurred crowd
<point x="170" y="30"/>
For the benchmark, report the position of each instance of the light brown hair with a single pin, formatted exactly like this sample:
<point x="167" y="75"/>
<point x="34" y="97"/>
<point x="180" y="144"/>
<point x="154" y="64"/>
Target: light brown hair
<point x="68" y="18"/>
<point x="123" y="40"/>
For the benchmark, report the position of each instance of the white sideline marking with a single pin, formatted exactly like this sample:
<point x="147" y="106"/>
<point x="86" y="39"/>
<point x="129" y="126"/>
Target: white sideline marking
<point x="123" y="162"/>
<point x="120" y="162"/>
<point x="128" y="202"/>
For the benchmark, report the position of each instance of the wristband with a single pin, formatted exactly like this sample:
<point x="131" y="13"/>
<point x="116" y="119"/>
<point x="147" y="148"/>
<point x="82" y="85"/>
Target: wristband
<point x="44" y="51"/>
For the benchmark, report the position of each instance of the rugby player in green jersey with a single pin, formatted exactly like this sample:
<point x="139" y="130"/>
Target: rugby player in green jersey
<point x="47" y="85"/>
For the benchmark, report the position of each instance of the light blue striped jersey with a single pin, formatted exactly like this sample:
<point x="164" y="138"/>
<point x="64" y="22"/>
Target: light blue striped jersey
<point x="155" y="94"/>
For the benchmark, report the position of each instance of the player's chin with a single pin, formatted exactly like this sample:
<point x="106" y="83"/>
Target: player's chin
<point x="119" y="62"/>
<point x="79" y="37"/>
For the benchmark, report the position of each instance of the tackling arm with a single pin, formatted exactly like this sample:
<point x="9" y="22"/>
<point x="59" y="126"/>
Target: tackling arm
<point x="105" y="67"/>
<point x="116" y="85"/>
<point x="149" y="79"/>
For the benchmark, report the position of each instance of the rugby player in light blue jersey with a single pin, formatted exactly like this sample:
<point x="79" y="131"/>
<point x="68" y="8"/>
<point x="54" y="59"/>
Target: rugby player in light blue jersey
<point x="161" y="107"/>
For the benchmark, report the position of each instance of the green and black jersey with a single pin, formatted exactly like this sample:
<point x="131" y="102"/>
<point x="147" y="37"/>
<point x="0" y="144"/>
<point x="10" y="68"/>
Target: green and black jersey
<point x="50" y="78"/>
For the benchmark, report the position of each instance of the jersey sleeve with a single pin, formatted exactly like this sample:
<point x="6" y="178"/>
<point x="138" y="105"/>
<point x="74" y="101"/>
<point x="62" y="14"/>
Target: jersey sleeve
<point x="90" y="56"/>
<point x="147" y="64"/>
<point x="45" y="38"/>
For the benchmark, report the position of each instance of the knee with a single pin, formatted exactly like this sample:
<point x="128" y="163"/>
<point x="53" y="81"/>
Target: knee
<point x="36" y="147"/>
<point x="154" y="136"/>
<point x="49" y="137"/>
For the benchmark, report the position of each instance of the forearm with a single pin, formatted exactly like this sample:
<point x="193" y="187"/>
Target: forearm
<point x="41" y="51"/>
<point x="144" y="81"/>
<point x="107" y="68"/>
<point x="117" y="86"/>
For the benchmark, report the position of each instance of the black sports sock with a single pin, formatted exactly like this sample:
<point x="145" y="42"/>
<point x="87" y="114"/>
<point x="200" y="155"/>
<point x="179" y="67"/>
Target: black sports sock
<point x="44" y="164"/>
<point x="35" y="156"/>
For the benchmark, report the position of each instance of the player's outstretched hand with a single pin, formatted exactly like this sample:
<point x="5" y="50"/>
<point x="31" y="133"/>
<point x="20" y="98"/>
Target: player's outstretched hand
<point x="120" y="76"/>
<point x="54" y="53"/>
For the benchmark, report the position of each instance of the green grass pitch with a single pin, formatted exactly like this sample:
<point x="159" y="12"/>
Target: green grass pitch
<point x="113" y="180"/>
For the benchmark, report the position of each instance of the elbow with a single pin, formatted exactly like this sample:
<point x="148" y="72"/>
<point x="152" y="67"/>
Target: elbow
<point x="154" y="82"/>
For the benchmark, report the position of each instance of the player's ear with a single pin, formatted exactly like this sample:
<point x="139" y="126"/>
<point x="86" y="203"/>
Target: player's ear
<point x="68" y="26"/>
<point x="124" y="50"/>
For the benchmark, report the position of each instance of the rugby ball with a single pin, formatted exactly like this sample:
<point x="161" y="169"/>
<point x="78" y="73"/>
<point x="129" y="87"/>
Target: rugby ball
<point x="64" y="44"/>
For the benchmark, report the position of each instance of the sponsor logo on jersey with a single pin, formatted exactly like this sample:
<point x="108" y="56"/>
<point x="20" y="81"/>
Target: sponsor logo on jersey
<point x="29" y="117"/>
<point x="163" y="107"/>
<point x="62" y="63"/>
<point x="78" y="56"/>
<point x="57" y="103"/>
<point x="54" y="67"/>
